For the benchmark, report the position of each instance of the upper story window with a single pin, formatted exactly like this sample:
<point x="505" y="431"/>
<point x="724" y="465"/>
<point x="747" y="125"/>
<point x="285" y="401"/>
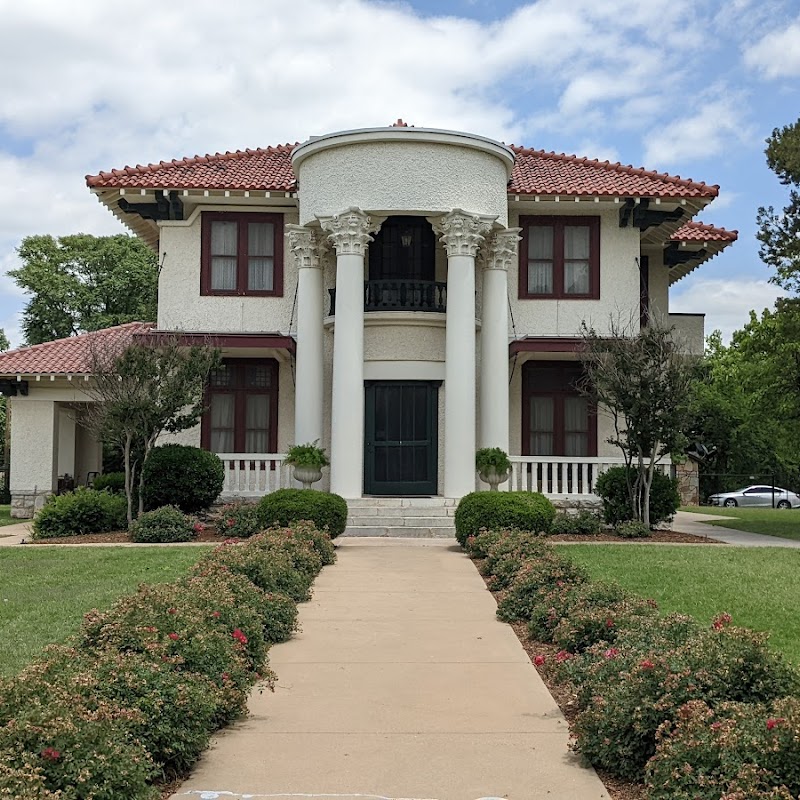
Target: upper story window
<point x="242" y="254"/>
<point x="559" y="258"/>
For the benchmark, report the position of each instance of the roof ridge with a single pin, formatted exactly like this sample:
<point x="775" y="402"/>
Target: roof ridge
<point x="625" y="169"/>
<point x="188" y="161"/>
<point x="27" y="348"/>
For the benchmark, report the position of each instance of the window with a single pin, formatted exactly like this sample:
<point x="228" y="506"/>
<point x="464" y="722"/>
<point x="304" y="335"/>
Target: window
<point x="242" y="254"/>
<point x="242" y="407"/>
<point x="556" y="419"/>
<point x="559" y="257"/>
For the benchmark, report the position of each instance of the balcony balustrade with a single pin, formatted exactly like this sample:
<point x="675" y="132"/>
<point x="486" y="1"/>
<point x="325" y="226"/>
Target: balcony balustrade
<point x="400" y="295"/>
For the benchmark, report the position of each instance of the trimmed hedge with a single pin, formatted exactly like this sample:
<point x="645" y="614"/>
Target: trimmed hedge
<point x="80" y="512"/>
<point x="182" y="476"/>
<point x="136" y="695"/>
<point x="112" y="481"/>
<point x="612" y="488"/>
<point x="525" y="511"/>
<point x="287" y="506"/>
<point x="164" y="525"/>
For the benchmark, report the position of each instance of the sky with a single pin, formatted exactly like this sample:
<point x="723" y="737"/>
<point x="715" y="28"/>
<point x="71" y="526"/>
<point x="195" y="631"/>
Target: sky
<point x="685" y="87"/>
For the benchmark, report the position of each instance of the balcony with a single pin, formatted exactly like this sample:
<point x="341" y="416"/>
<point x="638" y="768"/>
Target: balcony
<point x="400" y="295"/>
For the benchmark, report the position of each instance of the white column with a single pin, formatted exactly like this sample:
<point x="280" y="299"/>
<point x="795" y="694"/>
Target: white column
<point x="349" y="233"/>
<point x="462" y="234"/>
<point x="308" y="393"/>
<point x="500" y="253"/>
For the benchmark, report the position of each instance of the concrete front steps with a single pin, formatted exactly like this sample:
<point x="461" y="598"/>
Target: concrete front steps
<point x="417" y="517"/>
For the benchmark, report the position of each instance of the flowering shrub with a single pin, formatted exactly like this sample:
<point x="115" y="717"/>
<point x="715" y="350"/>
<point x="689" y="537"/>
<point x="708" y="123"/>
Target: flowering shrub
<point x="507" y="555"/>
<point x="738" y="751"/>
<point x="585" y="523"/>
<point x="320" y="541"/>
<point x="164" y="525"/>
<point x="302" y="553"/>
<point x="239" y="520"/>
<point x="477" y="545"/>
<point x="632" y="529"/>
<point x="79" y="512"/>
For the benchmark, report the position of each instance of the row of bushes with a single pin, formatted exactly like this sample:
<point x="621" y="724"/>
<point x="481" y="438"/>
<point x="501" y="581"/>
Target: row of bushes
<point x="135" y="696"/>
<point x="698" y="712"/>
<point x="87" y="511"/>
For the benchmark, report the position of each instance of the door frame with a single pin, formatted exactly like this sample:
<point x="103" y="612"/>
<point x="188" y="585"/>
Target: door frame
<point x="401" y="489"/>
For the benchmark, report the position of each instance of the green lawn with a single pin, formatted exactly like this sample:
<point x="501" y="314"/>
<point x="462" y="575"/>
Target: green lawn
<point x="784" y="523"/>
<point x="5" y="516"/>
<point x="45" y="591"/>
<point x="757" y="586"/>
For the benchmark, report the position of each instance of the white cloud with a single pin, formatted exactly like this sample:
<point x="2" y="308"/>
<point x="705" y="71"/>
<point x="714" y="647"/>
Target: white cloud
<point x="726" y="302"/>
<point x="777" y="54"/>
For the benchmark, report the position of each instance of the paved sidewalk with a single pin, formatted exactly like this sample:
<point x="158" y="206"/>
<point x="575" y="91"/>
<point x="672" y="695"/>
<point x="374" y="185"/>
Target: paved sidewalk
<point x="14" y="534"/>
<point x="697" y="524"/>
<point x="402" y="684"/>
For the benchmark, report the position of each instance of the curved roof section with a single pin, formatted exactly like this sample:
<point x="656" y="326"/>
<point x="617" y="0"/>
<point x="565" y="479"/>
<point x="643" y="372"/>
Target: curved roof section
<point x="696" y="231"/>
<point x="70" y="356"/>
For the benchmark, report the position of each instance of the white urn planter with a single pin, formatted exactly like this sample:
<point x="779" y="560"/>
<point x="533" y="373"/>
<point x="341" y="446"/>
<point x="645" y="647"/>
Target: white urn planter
<point x="494" y="477"/>
<point x="307" y="475"/>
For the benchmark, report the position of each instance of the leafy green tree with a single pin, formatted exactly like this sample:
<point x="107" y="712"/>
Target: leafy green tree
<point x="4" y="343"/>
<point x="84" y="283"/>
<point x="779" y="233"/>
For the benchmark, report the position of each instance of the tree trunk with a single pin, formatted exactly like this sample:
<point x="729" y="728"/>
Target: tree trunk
<point x="126" y="450"/>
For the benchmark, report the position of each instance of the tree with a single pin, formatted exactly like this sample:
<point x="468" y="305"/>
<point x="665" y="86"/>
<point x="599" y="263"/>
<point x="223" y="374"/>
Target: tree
<point x="153" y="386"/>
<point x="4" y="343"/>
<point x="644" y="382"/>
<point x="779" y="234"/>
<point x="84" y="283"/>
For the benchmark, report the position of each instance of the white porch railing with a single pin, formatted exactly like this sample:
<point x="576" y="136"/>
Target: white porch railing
<point x="254" y="474"/>
<point x="561" y="475"/>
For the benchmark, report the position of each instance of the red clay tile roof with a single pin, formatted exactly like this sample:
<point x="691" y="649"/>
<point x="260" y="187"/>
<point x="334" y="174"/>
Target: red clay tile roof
<point x="71" y="356"/>
<point x="696" y="231"/>
<point x="535" y="172"/>
<point x="263" y="168"/>
<point x="538" y="172"/>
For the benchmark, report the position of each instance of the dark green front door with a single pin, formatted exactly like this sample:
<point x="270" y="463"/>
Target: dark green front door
<point x="400" y="437"/>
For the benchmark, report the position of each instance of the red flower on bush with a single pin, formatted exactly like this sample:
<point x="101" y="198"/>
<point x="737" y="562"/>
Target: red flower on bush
<point x="198" y="527"/>
<point x="239" y="636"/>
<point x="612" y="652"/>
<point x="721" y="620"/>
<point x="563" y="655"/>
<point x="225" y="677"/>
<point x="215" y="614"/>
<point x="174" y="636"/>
<point x="539" y="660"/>
<point x="646" y="664"/>
<point x="715" y="726"/>
<point x="772" y="723"/>
<point x="172" y="611"/>
<point x="50" y="754"/>
<point x="609" y="623"/>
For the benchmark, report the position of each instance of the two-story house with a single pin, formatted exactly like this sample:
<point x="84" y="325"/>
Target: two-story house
<point x="402" y="295"/>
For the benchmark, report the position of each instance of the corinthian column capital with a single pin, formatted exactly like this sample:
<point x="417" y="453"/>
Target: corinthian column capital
<point x="349" y="232"/>
<point x="304" y="246"/>
<point x="462" y="233"/>
<point x="501" y="249"/>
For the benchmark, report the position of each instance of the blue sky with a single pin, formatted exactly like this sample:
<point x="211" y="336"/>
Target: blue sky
<point x="683" y="87"/>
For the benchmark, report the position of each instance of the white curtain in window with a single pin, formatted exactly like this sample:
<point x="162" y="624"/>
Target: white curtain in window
<point x="223" y="255"/>
<point x="541" y="426"/>
<point x="540" y="259"/>
<point x="257" y="424"/>
<point x="576" y="259"/>
<point x="576" y="426"/>
<point x="222" y="422"/>
<point x="260" y="252"/>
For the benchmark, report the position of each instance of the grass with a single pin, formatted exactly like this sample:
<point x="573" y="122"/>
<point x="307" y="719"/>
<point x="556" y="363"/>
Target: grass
<point x="5" y="516"/>
<point x="784" y="523"/>
<point x="757" y="586"/>
<point x="45" y="591"/>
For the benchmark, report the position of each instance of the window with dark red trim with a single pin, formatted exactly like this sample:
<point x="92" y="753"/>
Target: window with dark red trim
<point x="559" y="258"/>
<point x="242" y="254"/>
<point x="242" y="407"/>
<point x="557" y="420"/>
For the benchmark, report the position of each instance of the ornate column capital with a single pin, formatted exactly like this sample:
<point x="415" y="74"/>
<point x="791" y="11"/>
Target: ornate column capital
<point x="462" y="233"/>
<point x="349" y="232"/>
<point x="501" y="249"/>
<point x="303" y="243"/>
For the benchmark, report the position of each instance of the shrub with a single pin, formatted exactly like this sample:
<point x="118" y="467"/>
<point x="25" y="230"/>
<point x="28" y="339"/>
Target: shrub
<point x="320" y="541"/>
<point x="492" y="457"/>
<point x="739" y="751"/>
<point x="182" y="476"/>
<point x="163" y="525"/>
<point x="632" y="529"/>
<point x="506" y="555"/>
<point x="477" y="546"/>
<point x="239" y="520"/>
<point x="112" y="481"/>
<point x="307" y="455"/>
<point x="584" y="523"/>
<point x="287" y="506"/>
<point x="79" y="512"/>
<point x="525" y="511"/>
<point x="302" y="554"/>
<point x="612" y="487"/>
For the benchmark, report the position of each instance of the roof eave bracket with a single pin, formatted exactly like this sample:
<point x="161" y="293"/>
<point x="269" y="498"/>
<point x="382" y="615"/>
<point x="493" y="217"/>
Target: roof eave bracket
<point x="640" y="215"/>
<point x="167" y="206"/>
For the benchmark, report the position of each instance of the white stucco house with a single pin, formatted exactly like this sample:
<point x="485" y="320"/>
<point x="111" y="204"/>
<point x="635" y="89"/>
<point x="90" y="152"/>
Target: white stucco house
<point x="403" y="295"/>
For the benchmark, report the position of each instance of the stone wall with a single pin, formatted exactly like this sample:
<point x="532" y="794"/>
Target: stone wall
<point x="688" y="476"/>
<point x="25" y="504"/>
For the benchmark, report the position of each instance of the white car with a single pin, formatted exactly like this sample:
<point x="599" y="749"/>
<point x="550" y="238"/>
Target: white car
<point x="761" y="496"/>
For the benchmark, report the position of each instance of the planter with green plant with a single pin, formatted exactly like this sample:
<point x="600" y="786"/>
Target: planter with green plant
<point x="493" y="466"/>
<point x="308" y="461"/>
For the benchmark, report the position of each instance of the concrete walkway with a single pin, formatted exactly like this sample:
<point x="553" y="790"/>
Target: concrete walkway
<point x="697" y="524"/>
<point x="402" y="684"/>
<point x="14" y="534"/>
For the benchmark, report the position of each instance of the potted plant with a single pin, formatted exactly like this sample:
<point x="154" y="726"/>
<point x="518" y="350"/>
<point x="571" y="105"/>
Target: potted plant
<point x="308" y="461"/>
<point x="493" y="466"/>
